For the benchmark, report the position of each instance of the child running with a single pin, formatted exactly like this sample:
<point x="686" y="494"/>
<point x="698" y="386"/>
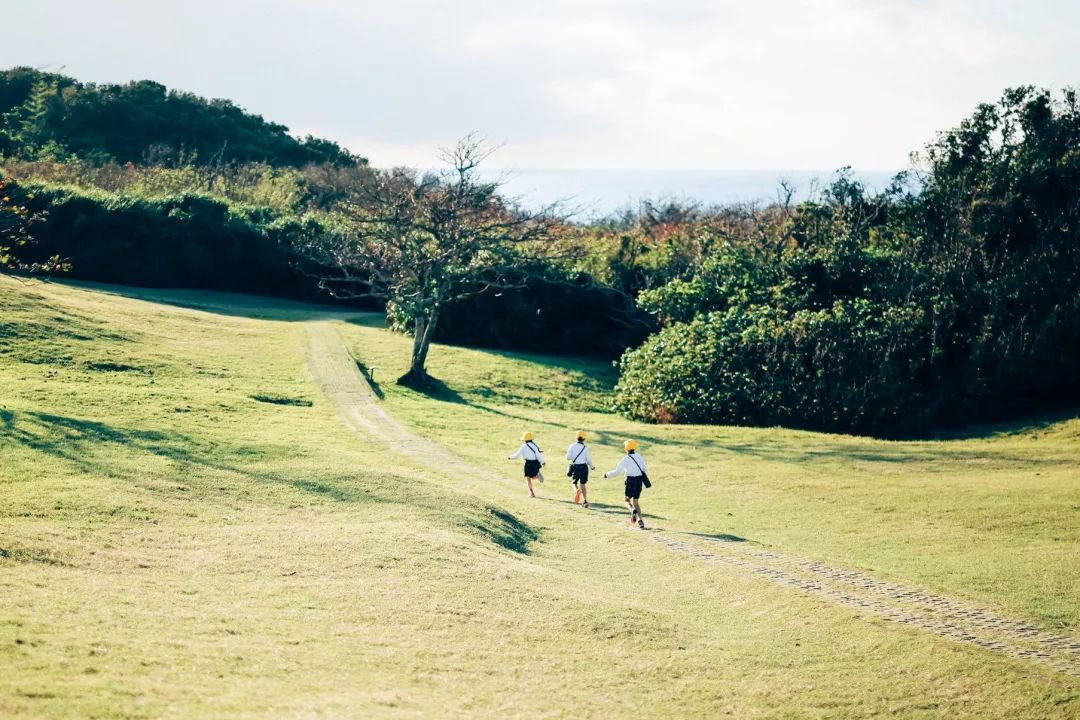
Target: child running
<point x="534" y="460"/>
<point x="580" y="464"/>
<point x="634" y="466"/>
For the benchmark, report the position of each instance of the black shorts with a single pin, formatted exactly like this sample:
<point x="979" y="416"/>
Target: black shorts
<point x="633" y="486"/>
<point x="579" y="473"/>
<point x="532" y="468"/>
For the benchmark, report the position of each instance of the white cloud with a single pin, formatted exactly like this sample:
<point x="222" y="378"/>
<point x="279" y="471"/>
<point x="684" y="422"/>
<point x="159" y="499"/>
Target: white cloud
<point x="588" y="83"/>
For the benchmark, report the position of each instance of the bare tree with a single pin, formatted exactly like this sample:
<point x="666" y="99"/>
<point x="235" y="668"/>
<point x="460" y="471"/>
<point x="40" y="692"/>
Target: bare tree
<point x="421" y="241"/>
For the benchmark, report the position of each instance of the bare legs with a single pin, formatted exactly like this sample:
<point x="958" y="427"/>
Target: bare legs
<point x="581" y="492"/>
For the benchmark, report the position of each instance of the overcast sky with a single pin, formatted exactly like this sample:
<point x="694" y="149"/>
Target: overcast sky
<point x="672" y="84"/>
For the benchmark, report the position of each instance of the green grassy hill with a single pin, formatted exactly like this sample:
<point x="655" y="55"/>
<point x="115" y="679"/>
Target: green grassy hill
<point x="193" y="527"/>
<point x="994" y="517"/>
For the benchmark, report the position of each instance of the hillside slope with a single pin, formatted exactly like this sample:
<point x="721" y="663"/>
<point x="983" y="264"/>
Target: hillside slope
<point x="192" y="531"/>
<point x="993" y="516"/>
<point x="142" y="121"/>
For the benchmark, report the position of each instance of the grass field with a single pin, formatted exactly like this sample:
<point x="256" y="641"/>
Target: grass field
<point x="188" y="530"/>
<point x="995" y="518"/>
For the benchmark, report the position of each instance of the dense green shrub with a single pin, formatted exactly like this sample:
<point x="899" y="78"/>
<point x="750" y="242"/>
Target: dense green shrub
<point x="895" y="313"/>
<point x="844" y="367"/>
<point x="185" y="240"/>
<point x="571" y="315"/>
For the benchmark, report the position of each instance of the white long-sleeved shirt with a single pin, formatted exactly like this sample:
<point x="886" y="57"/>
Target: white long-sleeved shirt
<point x="628" y="466"/>
<point x="529" y="451"/>
<point x="579" y="451"/>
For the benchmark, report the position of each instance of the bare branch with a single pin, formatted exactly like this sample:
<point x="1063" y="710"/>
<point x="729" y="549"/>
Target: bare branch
<point x="424" y="240"/>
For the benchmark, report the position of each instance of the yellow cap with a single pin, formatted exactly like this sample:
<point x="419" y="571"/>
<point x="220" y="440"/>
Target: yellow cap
<point x="526" y="437"/>
<point x="581" y="435"/>
<point x="629" y="445"/>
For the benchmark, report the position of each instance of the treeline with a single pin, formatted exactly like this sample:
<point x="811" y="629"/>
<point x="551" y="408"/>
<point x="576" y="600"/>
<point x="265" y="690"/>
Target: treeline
<point x="585" y="304"/>
<point x="160" y="227"/>
<point x="142" y="185"/>
<point x="890" y="313"/>
<point x="47" y="115"/>
<point x="952" y="297"/>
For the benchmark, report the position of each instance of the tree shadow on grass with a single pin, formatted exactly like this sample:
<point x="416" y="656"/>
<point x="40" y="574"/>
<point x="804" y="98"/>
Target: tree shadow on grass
<point x="1009" y="428"/>
<point x="887" y="453"/>
<point x="508" y="531"/>
<point x="370" y="320"/>
<point x="809" y="449"/>
<point x="535" y="422"/>
<point x="369" y="377"/>
<point x="435" y="389"/>
<point x="605" y="509"/>
<point x="74" y="439"/>
<point x="721" y="537"/>
<point x="322" y="489"/>
<point x="227" y="303"/>
<point x="79" y="442"/>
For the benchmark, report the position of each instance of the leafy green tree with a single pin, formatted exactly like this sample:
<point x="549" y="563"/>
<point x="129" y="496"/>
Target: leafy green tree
<point x="49" y="114"/>
<point x="953" y="302"/>
<point x="30" y="125"/>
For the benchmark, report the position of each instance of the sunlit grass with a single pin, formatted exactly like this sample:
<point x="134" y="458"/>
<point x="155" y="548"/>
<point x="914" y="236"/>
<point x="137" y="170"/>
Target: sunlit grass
<point x="175" y="546"/>
<point x="995" y="517"/>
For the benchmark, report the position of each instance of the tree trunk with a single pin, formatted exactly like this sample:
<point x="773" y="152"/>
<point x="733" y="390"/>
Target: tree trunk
<point x="423" y="331"/>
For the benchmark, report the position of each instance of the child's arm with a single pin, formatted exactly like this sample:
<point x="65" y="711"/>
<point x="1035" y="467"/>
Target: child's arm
<point x="518" y="454"/>
<point x="619" y="469"/>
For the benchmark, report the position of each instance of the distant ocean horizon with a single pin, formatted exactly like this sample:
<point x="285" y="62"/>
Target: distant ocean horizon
<point x="600" y="193"/>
